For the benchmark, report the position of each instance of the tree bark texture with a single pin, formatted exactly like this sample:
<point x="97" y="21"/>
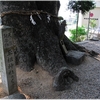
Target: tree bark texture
<point x="39" y="42"/>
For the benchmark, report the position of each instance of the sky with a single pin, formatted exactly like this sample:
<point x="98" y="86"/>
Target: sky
<point x="64" y="12"/>
<point x="63" y="8"/>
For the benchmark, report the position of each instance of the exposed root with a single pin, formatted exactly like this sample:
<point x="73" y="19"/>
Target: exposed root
<point x="63" y="79"/>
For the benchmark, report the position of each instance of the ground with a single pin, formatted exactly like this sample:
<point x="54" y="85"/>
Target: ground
<point x="38" y="83"/>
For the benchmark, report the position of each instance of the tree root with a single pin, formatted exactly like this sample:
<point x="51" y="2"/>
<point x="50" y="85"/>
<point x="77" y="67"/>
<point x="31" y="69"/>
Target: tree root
<point x="72" y="46"/>
<point x="63" y="79"/>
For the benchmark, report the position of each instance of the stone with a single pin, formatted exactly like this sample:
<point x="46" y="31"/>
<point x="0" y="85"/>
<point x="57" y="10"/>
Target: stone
<point x="75" y="57"/>
<point x="15" y="96"/>
<point x="7" y="60"/>
<point x="94" y="39"/>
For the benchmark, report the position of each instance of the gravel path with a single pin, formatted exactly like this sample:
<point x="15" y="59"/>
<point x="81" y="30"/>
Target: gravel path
<point x="38" y="83"/>
<point x="91" y="45"/>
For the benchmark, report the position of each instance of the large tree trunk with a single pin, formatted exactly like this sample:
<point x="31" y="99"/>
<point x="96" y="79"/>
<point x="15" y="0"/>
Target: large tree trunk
<point x="37" y="37"/>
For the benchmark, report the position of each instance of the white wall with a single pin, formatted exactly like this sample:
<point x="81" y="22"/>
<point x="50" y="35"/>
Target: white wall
<point x="96" y="16"/>
<point x="97" y="3"/>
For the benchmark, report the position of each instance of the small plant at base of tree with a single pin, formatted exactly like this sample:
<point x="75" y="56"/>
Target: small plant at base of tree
<point x="81" y="34"/>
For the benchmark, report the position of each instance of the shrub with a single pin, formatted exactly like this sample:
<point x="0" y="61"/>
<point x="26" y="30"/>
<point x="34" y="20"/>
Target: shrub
<point x="93" y="23"/>
<point x="81" y="33"/>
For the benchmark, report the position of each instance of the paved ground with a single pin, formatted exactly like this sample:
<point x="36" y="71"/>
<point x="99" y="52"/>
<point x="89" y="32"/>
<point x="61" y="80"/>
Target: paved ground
<point x="38" y="83"/>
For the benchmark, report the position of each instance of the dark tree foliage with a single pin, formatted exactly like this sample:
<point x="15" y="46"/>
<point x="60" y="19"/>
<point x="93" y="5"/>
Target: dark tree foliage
<point x="83" y="6"/>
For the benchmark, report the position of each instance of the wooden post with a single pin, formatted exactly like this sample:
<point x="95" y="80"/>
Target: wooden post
<point x="7" y="60"/>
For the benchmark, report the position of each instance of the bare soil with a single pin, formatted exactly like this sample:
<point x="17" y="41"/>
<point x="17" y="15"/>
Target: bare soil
<point x="37" y="84"/>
